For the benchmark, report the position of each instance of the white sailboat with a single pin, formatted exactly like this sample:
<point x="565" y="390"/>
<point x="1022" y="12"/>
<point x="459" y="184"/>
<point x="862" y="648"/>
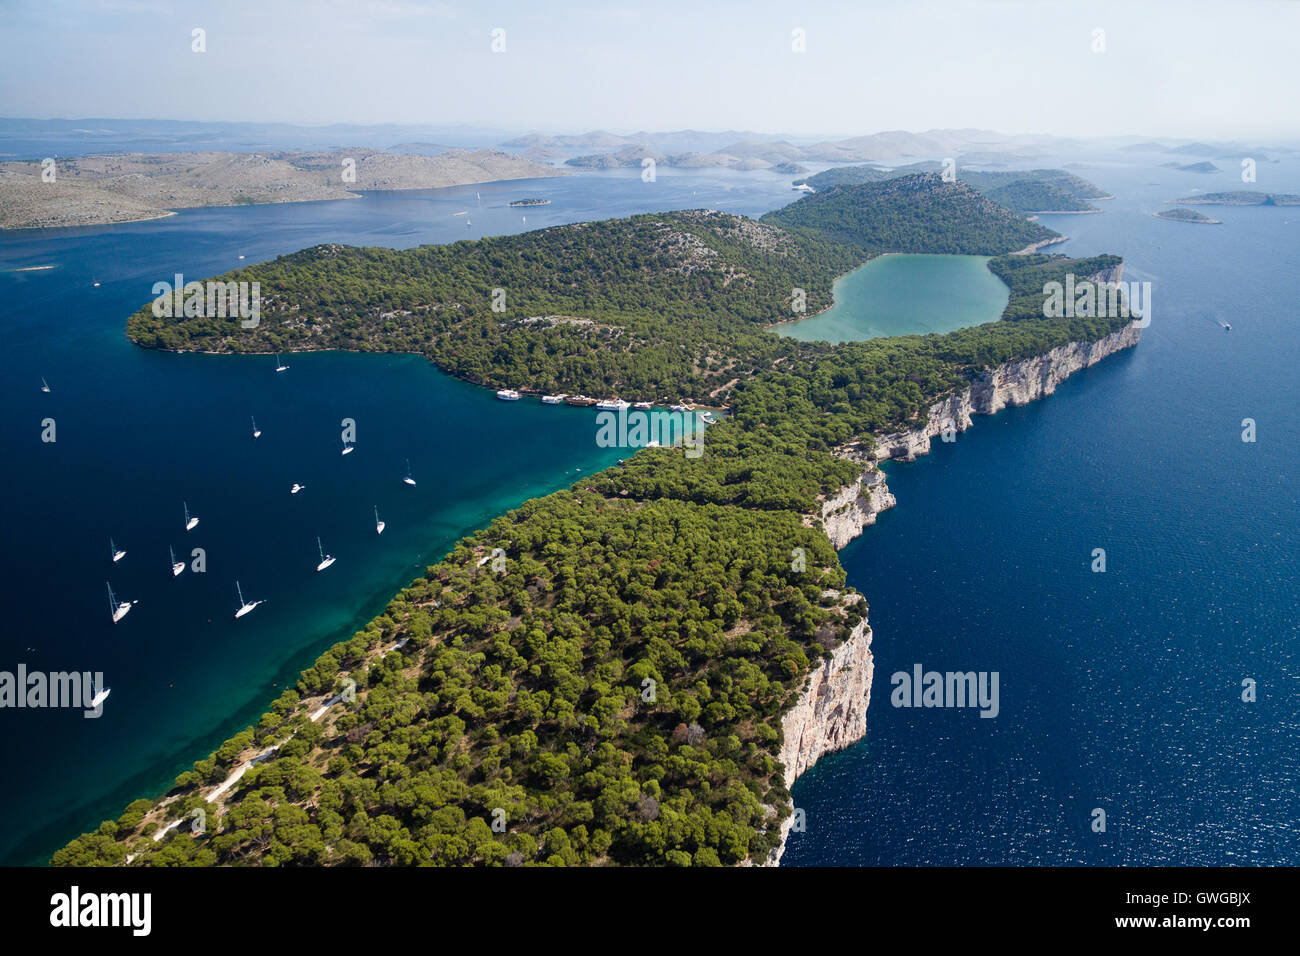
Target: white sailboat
<point x="45" y="386"/>
<point x="379" y="525"/>
<point x="325" y="559"/>
<point x="244" y="606"/>
<point x="296" y="488"/>
<point x="177" y="566"/>
<point x="257" y="432"/>
<point x="408" y="479"/>
<point x="118" y="609"/>
<point x="114" y="553"/>
<point x="280" y="366"/>
<point x="98" y="698"/>
<point x="347" y="449"/>
<point x="190" y="520"/>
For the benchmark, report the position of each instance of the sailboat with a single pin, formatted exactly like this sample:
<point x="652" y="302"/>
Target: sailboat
<point x="296" y="488"/>
<point x="115" y="554"/>
<point x="257" y="432"/>
<point x="347" y="449"/>
<point x="95" y="283"/>
<point x="244" y="606"/>
<point x="408" y="479"/>
<point x="118" y="609"/>
<point x="325" y="559"/>
<point x="280" y="366"/>
<point x="190" y="521"/>
<point x="177" y="566"/>
<point x="45" y="386"/>
<point x="379" y="525"/>
<point x="97" y="698"/>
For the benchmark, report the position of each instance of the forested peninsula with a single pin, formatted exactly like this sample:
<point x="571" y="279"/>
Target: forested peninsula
<point x="615" y="693"/>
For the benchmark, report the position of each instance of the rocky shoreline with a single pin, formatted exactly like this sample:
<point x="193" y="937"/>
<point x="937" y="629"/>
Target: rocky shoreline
<point x="831" y="713"/>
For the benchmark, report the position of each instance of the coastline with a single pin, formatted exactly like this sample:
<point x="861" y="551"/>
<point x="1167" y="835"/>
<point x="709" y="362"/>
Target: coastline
<point x="1034" y="247"/>
<point x="830" y="713"/>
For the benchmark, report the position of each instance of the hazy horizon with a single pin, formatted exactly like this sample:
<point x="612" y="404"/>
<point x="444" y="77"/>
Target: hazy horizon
<point x="1168" y="71"/>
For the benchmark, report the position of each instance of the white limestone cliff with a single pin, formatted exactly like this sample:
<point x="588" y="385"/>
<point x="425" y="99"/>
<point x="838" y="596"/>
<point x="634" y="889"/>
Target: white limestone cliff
<point x="831" y="713"/>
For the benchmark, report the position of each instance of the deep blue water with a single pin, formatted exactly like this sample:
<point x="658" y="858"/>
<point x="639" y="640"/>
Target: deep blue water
<point x="1119" y="690"/>
<point x="139" y="432"/>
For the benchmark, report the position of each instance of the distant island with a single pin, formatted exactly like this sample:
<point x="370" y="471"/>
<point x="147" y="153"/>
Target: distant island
<point x="1028" y="191"/>
<point x="531" y="202"/>
<point x="1186" y="215"/>
<point x="129" y="187"/>
<point x="1206" y="167"/>
<point x="1240" y="197"/>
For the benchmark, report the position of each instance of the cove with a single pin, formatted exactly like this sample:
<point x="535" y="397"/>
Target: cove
<point x="899" y="294"/>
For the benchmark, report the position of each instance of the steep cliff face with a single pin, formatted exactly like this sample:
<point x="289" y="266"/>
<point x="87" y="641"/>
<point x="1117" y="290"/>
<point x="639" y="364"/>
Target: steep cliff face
<point x="1014" y="383"/>
<point x="856" y="506"/>
<point x="831" y="713"/>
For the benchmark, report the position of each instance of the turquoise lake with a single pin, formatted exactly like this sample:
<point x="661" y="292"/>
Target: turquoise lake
<point x="906" y="295"/>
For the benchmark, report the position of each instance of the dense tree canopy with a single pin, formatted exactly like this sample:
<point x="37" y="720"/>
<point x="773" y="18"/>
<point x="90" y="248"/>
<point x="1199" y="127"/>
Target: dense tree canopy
<point x="613" y="693"/>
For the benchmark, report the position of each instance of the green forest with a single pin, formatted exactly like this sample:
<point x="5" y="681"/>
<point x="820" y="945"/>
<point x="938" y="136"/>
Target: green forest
<point x="613" y="692"/>
<point x="1021" y="191"/>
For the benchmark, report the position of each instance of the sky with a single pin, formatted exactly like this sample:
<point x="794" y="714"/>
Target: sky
<point x="1225" y="70"/>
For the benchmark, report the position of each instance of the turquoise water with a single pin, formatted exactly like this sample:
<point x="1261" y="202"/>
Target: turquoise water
<point x="906" y="295"/>
<point x="139" y="432"/>
<point x="1121" y="690"/>
<point x="1118" y="691"/>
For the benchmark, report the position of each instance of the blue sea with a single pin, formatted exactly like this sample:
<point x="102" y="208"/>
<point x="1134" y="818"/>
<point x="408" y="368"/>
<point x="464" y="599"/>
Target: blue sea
<point x="1118" y="690"/>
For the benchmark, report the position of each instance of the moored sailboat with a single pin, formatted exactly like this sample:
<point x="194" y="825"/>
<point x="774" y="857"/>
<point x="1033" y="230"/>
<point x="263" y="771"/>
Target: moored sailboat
<point x="97" y="698"/>
<point x="244" y="606"/>
<point x="177" y="566"/>
<point x="118" y="609"/>
<point x="190" y="520"/>
<point x="325" y="559"/>
<point x="113" y="552"/>
<point x="379" y="525"/>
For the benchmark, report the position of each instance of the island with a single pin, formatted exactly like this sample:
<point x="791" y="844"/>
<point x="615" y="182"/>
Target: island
<point x="1203" y="167"/>
<point x="1186" y="215"/>
<point x="128" y="187"/>
<point x="531" y="202"/>
<point x="1035" y="191"/>
<point x="1240" y="197"/>
<point x="670" y="642"/>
